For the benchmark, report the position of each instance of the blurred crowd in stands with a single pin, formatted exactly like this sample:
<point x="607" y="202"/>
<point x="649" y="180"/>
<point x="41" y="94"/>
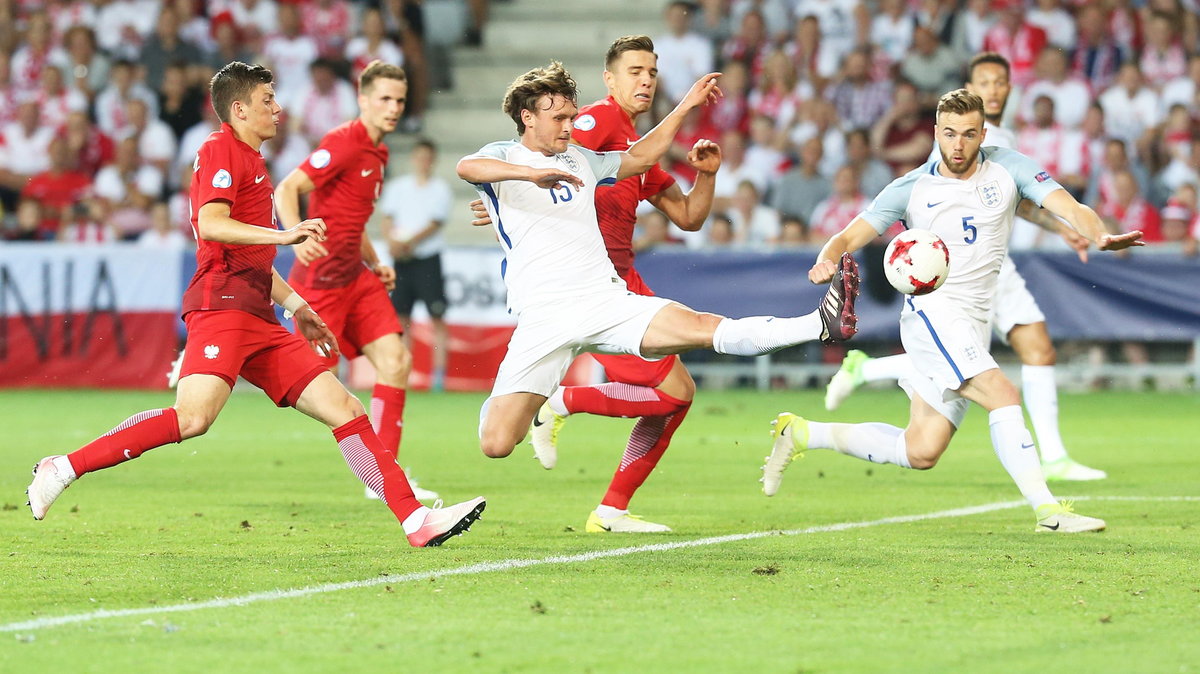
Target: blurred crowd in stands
<point x="103" y="103"/>
<point x="828" y="100"/>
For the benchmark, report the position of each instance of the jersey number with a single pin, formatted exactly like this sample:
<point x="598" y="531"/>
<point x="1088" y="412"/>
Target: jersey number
<point x="971" y="230"/>
<point x="560" y="196"/>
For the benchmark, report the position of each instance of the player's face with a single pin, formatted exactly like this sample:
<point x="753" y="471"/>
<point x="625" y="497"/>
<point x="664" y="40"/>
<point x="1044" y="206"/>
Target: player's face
<point x="383" y="105"/>
<point x="548" y="128"/>
<point x="261" y="113"/>
<point x="958" y="139"/>
<point x="633" y="81"/>
<point x="989" y="81"/>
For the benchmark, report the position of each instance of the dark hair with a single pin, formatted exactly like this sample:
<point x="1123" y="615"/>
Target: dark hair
<point x="378" y="70"/>
<point x="528" y="89"/>
<point x="627" y="43"/>
<point x="235" y="82"/>
<point x="986" y="57"/>
<point x="425" y="143"/>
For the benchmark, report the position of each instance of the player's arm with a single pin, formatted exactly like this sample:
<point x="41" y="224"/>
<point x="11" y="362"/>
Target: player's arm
<point x="646" y="152"/>
<point x="689" y="211"/>
<point x="854" y="236"/>
<point x="214" y="224"/>
<point x="1085" y="221"/>
<point x="1042" y="218"/>
<point x="480" y="170"/>
<point x="287" y="205"/>
<point x="308" y="323"/>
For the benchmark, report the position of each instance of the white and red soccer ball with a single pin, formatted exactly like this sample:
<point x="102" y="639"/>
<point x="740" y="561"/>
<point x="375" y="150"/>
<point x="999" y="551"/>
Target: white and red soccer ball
<point x="916" y="262"/>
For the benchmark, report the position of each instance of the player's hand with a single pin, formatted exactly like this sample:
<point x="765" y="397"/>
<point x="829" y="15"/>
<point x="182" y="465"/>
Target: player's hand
<point x="704" y="92"/>
<point x="548" y="178"/>
<point x="482" y="219"/>
<point x="309" y="250"/>
<point x="387" y="275"/>
<point x="309" y="229"/>
<point x="1076" y="241"/>
<point x="400" y="250"/>
<point x="822" y="272"/>
<point x="1120" y="241"/>
<point x="315" y="332"/>
<point x="705" y="156"/>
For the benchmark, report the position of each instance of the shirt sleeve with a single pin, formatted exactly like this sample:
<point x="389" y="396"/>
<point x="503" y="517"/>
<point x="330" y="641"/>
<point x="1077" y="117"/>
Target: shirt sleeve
<point x="892" y="203"/>
<point x="326" y="162"/>
<point x="655" y="181"/>
<point x="217" y="173"/>
<point x="1033" y="182"/>
<point x="604" y="165"/>
<point x="592" y="129"/>
<point x="440" y="204"/>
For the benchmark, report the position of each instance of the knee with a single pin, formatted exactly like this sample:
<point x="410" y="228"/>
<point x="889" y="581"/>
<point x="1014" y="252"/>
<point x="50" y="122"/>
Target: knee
<point x="495" y="447"/>
<point x="396" y="365"/>
<point x="918" y="461"/>
<point x="1039" y="354"/>
<point x="192" y="424"/>
<point x="922" y="454"/>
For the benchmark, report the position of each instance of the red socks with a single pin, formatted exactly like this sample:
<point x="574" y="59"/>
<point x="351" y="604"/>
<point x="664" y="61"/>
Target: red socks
<point x="140" y="432"/>
<point x="375" y="466"/>
<point x="387" y="416"/>
<point x="619" y="400"/>
<point x="647" y="443"/>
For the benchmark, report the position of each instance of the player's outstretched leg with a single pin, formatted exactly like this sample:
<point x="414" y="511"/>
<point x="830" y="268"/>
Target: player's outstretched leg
<point x="1040" y="391"/>
<point x="848" y="377"/>
<point x="791" y="441"/>
<point x="838" y="319"/>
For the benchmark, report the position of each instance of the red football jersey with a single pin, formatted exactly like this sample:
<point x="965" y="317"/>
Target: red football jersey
<point x="347" y="169"/>
<point x="604" y="127"/>
<point x="232" y="276"/>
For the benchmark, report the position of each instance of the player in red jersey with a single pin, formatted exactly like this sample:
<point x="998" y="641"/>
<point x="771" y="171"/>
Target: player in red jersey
<point x="343" y="279"/>
<point x="658" y="392"/>
<point x="232" y="329"/>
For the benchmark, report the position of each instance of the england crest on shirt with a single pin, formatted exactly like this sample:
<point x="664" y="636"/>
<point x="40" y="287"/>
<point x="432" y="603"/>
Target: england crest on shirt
<point x="989" y="194"/>
<point x="567" y="159"/>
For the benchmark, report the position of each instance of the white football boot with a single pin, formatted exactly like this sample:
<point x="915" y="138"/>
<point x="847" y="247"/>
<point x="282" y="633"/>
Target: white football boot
<point x="51" y="476"/>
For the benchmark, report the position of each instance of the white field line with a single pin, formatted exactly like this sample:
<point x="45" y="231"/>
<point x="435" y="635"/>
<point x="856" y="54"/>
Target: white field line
<point x="510" y="564"/>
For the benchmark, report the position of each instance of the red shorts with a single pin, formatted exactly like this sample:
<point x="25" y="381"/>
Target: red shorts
<point x="631" y="369"/>
<point x="357" y="314"/>
<point x="232" y="343"/>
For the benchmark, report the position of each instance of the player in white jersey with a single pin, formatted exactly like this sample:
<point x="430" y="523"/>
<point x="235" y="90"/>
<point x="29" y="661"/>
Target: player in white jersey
<point x="1017" y="319"/>
<point x="562" y="286"/>
<point x="968" y="198"/>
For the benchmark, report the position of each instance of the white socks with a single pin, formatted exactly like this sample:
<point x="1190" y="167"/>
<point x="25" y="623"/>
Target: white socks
<point x="558" y="404"/>
<point x="889" y="367"/>
<point x="608" y="512"/>
<point x="874" y="442"/>
<point x="757" y="335"/>
<point x="1040" y="390"/>
<point x="1017" y="453"/>
<point x="415" y="520"/>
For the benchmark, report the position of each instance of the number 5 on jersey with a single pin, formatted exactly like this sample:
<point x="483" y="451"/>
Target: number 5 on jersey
<point x="971" y="230"/>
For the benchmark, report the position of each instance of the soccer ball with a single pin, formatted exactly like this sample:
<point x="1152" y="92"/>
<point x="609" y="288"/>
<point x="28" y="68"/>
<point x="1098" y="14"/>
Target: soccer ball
<point x="916" y="262"/>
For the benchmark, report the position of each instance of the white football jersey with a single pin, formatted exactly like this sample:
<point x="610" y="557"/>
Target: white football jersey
<point x="552" y="245"/>
<point x="973" y="216"/>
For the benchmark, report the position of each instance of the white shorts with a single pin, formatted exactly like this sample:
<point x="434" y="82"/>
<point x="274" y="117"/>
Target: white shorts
<point x="947" y="347"/>
<point x="1013" y="304"/>
<point x="548" y="337"/>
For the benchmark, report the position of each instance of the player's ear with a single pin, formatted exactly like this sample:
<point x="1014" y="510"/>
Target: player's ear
<point x="608" y="78"/>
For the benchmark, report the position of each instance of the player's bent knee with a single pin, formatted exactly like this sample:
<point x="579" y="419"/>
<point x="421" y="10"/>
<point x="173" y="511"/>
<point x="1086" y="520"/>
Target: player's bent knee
<point x="192" y="424"/>
<point x="495" y="448"/>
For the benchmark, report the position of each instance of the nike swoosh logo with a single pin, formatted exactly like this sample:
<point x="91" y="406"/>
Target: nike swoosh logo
<point x="929" y="205"/>
<point x="1030" y="445"/>
<point x="127" y="455"/>
<point x="537" y="421"/>
<point x="1053" y="528"/>
<point x="259" y="179"/>
<point x="367" y="172"/>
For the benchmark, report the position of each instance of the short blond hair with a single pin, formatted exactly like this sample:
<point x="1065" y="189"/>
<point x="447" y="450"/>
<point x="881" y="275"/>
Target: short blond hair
<point x="959" y="102"/>
<point x="528" y="89"/>
<point x="377" y="70"/>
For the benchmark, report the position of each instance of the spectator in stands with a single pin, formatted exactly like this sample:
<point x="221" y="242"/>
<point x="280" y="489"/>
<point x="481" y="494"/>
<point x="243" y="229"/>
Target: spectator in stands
<point x="777" y="95"/>
<point x="712" y="20"/>
<point x="749" y="45"/>
<point x="179" y="102"/>
<point x="57" y="189"/>
<point x="800" y="190"/>
<point x="373" y="44"/>
<point x="842" y="206"/>
<point x="763" y="154"/>
<point x="1125" y="25"/>
<point x="1057" y="22"/>
<point x="1129" y="211"/>
<point x="1176" y="221"/>
<point x="29" y="218"/>
<point x="892" y="28"/>
<point x="683" y="54"/>
<point x="85" y="224"/>
<point x="286" y="150"/>
<point x="873" y="173"/>
<point x="324" y="102"/>
<point x="165" y="47"/>
<point x="1173" y="139"/>
<point x="123" y="25"/>
<point x="251" y="16"/>
<point x="735" y="170"/>
<point x="88" y="146"/>
<point x="1182" y="89"/>
<point x="1183" y="169"/>
<point x="819" y="119"/>
<point x="1097" y="57"/>
<point x="329" y="23"/>
<point x="156" y="141"/>
<point x="289" y="53"/>
<point x="654" y="230"/>
<point x="1015" y="39"/>
<point x="859" y="100"/>
<point x="1130" y="107"/>
<point x="753" y="222"/>
<point x="194" y="27"/>
<point x="1069" y="92"/>
<point x="843" y="25"/>
<point x="814" y="65"/>
<point x="83" y="67"/>
<point x="776" y="16"/>
<point x="229" y="44"/>
<point x="1163" y="58"/>
<point x="65" y="14"/>
<point x="792" y="233"/>
<point x="1102" y="190"/>
<point x="34" y="55"/>
<point x="55" y="101"/>
<point x="25" y="145"/>
<point x="163" y="234"/>
<point x="123" y="85"/>
<point x="732" y="111"/>
<point x="971" y="25"/>
<point x="126" y="188"/>
<point x="720" y="231"/>
<point x="931" y="66"/>
<point x="903" y="136"/>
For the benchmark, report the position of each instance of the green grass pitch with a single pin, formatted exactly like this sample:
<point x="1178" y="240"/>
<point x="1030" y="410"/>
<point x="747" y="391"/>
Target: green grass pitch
<point x="265" y="503"/>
